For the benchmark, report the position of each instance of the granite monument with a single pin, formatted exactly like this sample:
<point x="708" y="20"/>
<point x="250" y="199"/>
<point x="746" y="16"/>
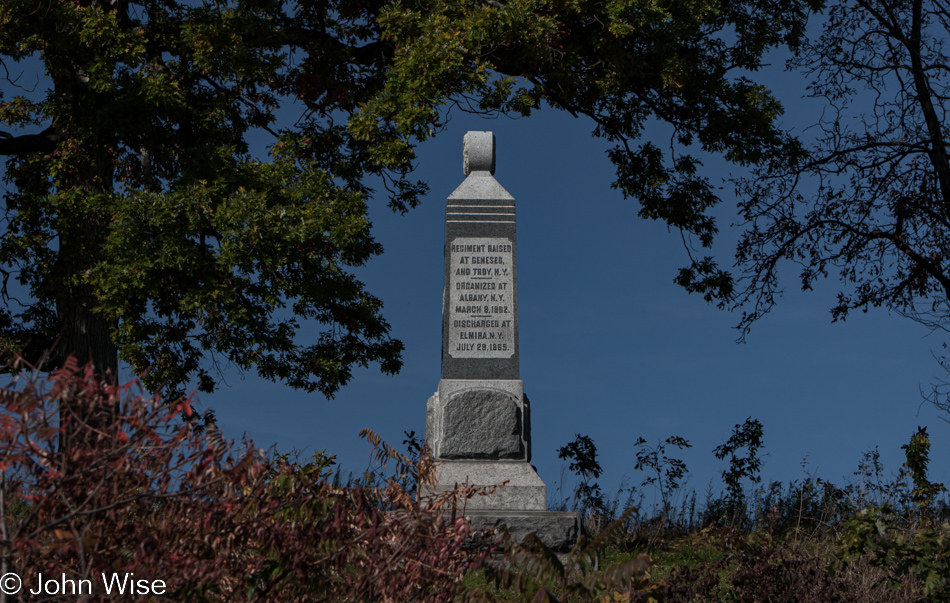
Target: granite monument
<point x="478" y="422"/>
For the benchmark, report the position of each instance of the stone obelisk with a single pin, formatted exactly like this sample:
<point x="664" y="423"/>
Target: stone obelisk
<point x="478" y="422"/>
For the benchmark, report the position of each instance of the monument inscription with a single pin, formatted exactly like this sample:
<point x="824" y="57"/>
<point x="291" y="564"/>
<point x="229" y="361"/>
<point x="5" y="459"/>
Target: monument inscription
<point x="481" y="308"/>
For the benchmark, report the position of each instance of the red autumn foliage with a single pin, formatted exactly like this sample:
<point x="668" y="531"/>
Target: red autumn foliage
<point x="151" y="497"/>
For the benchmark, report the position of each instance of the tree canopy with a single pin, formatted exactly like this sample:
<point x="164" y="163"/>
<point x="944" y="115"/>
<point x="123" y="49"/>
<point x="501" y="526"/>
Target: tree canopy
<point x="139" y="226"/>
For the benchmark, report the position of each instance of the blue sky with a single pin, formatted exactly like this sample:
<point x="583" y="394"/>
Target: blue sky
<point x="610" y="346"/>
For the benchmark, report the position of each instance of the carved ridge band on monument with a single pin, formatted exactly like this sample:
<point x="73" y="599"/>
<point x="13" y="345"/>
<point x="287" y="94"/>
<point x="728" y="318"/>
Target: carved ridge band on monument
<point x="471" y="208"/>
<point x="501" y="211"/>
<point x="508" y="214"/>
<point x="481" y="213"/>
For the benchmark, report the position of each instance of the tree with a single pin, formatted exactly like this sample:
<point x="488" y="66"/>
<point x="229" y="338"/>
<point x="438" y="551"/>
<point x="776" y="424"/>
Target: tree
<point x="870" y="197"/>
<point x="662" y="471"/>
<point x="582" y="454"/>
<point x="140" y="227"/>
<point x="748" y="437"/>
<point x="139" y="223"/>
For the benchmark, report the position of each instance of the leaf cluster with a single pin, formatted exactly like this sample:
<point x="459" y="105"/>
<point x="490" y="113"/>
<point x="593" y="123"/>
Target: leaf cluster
<point x="917" y="453"/>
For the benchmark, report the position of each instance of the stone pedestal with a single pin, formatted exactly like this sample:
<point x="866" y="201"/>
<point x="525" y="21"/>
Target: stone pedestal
<point x="522" y="490"/>
<point x="558" y="530"/>
<point x="478" y="423"/>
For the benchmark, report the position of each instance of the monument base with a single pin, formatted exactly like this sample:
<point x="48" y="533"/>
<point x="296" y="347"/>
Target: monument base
<point x="557" y="530"/>
<point x="520" y="505"/>
<point x="524" y="490"/>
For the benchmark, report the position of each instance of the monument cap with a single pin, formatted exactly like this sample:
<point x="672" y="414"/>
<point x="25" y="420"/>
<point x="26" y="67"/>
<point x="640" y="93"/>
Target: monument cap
<point x="478" y="152"/>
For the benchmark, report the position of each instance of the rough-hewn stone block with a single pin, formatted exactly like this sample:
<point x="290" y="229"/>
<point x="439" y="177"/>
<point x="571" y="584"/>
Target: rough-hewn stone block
<point x="482" y="423"/>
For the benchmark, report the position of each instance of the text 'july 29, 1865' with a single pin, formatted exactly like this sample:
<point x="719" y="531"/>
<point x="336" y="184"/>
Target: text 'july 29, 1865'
<point x="481" y="297"/>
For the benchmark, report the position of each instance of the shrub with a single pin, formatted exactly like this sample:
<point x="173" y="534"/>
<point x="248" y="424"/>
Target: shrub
<point x="901" y="551"/>
<point x="913" y="542"/>
<point x="758" y="571"/>
<point x="147" y="497"/>
<point x="534" y="573"/>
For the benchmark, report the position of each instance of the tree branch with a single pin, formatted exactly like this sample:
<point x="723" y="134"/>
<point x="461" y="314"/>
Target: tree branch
<point x="368" y="55"/>
<point x="44" y="142"/>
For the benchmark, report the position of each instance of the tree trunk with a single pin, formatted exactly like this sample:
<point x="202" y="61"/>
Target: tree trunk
<point x="83" y="333"/>
<point x="88" y="337"/>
